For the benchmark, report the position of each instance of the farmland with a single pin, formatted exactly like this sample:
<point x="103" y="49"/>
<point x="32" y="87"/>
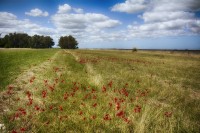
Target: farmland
<point x="99" y="91"/>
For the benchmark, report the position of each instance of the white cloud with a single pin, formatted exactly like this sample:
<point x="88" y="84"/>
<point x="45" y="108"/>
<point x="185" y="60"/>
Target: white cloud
<point x="10" y="23"/>
<point x="131" y="6"/>
<point x="37" y="13"/>
<point x="162" y="16"/>
<point x="78" y="10"/>
<point x="64" y="8"/>
<point x="167" y="18"/>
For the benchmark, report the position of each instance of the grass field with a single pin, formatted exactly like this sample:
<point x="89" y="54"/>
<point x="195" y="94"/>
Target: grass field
<point x="99" y="91"/>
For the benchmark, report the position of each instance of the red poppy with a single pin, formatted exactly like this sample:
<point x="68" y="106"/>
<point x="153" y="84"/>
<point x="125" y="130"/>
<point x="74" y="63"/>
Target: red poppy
<point x="51" y="107"/>
<point x="168" y="114"/>
<point x="120" y="114"/>
<point x="94" y="105"/>
<point x="23" y="129"/>
<point x="118" y="106"/>
<point x="137" y="109"/>
<point x="103" y="89"/>
<point x="37" y="107"/>
<point x="61" y="108"/>
<point x="13" y="131"/>
<point x="44" y="93"/>
<point x="107" y="117"/>
<point x="80" y="113"/>
<point x="110" y="84"/>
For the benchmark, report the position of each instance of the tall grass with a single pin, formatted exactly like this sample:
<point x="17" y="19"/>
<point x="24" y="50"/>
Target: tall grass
<point x="105" y="91"/>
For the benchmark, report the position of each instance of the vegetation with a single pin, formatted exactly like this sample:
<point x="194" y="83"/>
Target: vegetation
<point x="14" y="61"/>
<point x="23" y="40"/>
<point x="68" y="42"/>
<point x="104" y="91"/>
<point x="134" y="49"/>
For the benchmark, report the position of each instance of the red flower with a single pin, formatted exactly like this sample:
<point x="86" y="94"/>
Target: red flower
<point x="103" y="89"/>
<point x="10" y="87"/>
<point x="13" y="131"/>
<point x="37" y="107"/>
<point x="94" y="117"/>
<point x="65" y="96"/>
<point x="80" y="113"/>
<point x="44" y="93"/>
<point x="45" y="81"/>
<point x="51" y="88"/>
<point x="110" y="84"/>
<point x="51" y="107"/>
<point x="118" y="106"/>
<point x="127" y="120"/>
<point x="94" y="105"/>
<point x="137" y="109"/>
<point x="107" y="117"/>
<point x="23" y="129"/>
<point x="168" y="114"/>
<point x="120" y="114"/>
<point x="110" y="104"/>
<point x="22" y="111"/>
<point x="63" y="81"/>
<point x="61" y="108"/>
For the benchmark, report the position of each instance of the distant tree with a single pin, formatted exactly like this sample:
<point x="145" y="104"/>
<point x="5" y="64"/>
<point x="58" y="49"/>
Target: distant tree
<point x="134" y="49"/>
<point x="68" y="42"/>
<point x="23" y="40"/>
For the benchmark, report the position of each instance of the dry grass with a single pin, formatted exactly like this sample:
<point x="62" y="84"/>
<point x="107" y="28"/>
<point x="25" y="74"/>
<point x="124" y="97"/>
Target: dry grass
<point x="107" y="91"/>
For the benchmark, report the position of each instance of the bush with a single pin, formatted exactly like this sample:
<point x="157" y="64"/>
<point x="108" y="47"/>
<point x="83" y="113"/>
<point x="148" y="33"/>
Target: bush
<point x="134" y="50"/>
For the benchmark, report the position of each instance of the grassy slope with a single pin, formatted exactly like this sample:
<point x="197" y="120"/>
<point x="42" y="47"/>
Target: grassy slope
<point x="159" y="83"/>
<point x="15" y="61"/>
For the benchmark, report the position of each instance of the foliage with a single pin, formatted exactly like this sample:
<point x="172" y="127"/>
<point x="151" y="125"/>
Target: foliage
<point x="68" y="42"/>
<point x="23" y="40"/>
<point x="134" y="49"/>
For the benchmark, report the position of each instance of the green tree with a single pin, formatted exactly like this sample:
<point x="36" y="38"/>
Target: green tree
<point x="68" y="42"/>
<point x="23" y="40"/>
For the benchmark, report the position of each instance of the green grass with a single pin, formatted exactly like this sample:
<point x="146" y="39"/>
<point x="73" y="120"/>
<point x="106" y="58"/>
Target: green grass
<point x="15" y="61"/>
<point x="145" y="92"/>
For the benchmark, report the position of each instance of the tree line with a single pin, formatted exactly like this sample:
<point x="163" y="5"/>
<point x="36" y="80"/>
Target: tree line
<point x="23" y="40"/>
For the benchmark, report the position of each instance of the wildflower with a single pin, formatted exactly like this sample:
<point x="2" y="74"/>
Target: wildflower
<point x="80" y="113"/>
<point x="110" y="84"/>
<point x="45" y="81"/>
<point x="51" y="107"/>
<point x="13" y="131"/>
<point x="65" y="96"/>
<point x="137" y="109"/>
<point x="37" y="107"/>
<point x="23" y="129"/>
<point x="127" y="120"/>
<point x="94" y="117"/>
<point x="63" y="81"/>
<point x="103" y="89"/>
<point x="61" y="108"/>
<point x="120" y="114"/>
<point x="118" y="106"/>
<point x="10" y="87"/>
<point x="110" y="104"/>
<point x="107" y="117"/>
<point x="22" y="111"/>
<point x="168" y="114"/>
<point x="94" y="105"/>
<point x="44" y="93"/>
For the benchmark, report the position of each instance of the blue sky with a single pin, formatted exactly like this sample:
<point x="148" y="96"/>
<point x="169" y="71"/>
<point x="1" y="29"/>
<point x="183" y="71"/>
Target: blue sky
<point x="147" y="24"/>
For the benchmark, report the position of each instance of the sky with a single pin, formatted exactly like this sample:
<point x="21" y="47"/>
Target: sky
<point x="144" y="24"/>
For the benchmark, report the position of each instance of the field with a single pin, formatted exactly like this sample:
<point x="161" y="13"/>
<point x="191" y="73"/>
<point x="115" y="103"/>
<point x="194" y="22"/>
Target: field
<point x="99" y="91"/>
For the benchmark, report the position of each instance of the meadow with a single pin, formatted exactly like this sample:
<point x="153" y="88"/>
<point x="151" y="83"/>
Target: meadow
<point x="56" y="91"/>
